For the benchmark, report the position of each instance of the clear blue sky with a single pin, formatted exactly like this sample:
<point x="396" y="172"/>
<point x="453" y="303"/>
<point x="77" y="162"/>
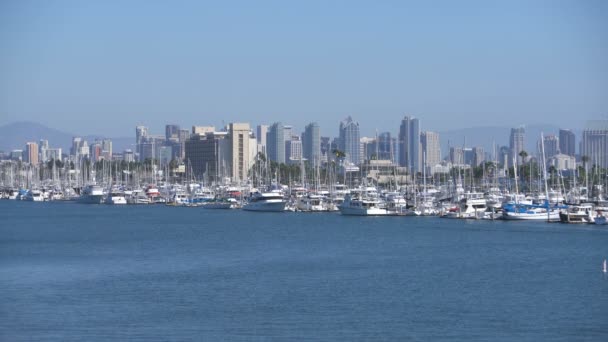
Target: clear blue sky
<point x="106" y="66"/>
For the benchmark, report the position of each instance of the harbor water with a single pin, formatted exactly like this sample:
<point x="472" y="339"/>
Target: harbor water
<point x="76" y="272"/>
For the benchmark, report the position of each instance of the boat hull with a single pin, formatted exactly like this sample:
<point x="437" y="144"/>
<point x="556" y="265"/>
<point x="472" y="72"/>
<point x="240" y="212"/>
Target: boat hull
<point x="278" y="207"/>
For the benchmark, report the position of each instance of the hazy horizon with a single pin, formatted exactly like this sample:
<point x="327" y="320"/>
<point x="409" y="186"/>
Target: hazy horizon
<point x="105" y="67"/>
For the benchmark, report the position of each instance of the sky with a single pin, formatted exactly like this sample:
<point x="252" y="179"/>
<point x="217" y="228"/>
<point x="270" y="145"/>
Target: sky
<point x="103" y="67"/>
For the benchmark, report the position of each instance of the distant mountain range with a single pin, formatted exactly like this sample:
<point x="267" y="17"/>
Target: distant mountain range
<point x="15" y="135"/>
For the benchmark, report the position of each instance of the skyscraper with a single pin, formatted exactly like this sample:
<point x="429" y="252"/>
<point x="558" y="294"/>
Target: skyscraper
<point x="551" y="145"/>
<point x="409" y="144"/>
<point x="350" y="141"/>
<point x="261" y="132"/>
<point x="311" y="143"/>
<point x="431" y="147"/>
<point x="594" y="144"/>
<point x="172" y="133"/>
<point x="567" y="142"/>
<point x="275" y="143"/>
<point x="31" y="153"/>
<point x="385" y="146"/>
<point x="293" y="150"/>
<point x="141" y="132"/>
<point x="516" y="144"/>
<point x="239" y="150"/>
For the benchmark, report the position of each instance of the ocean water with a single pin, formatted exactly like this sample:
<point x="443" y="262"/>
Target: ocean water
<point x="75" y="272"/>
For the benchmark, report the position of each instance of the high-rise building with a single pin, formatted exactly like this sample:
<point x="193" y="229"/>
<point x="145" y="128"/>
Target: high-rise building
<point x="95" y="149"/>
<point x="478" y="156"/>
<point x="350" y="141"/>
<point x="128" y="156"/>
<point x="457" y="155"/>
<point x="206" y="155"/>
<point x="76" y="143"/>
<point x="172" y="133"/>
<point x="516" y="144"/>
<point x="293" y="150"/>
<point x="385" y="147"/>
<point x="311" y="143"/>
<point x="409" y="144"/>
<point x="43" y="148"/>
<point x="239" y="150"/>
<point x="261" y="132"/>
<point x="106" y="147"/>
<point x="140" y="133"/>
<point x="567" y="142"/>
<point x="431" y="148"/>
<point x="551" y="145"/>
<point x="287" y="132"/>
<point x="31" y="153"/>
<point x="594" y="144"/>
<point x="165" y="154"/>
<point x="275" y="143"/>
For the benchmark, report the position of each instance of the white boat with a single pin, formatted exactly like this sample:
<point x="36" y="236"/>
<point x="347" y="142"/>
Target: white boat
<point x="472" y="206"/>
<point x="12" y="194"/>
<point x="266" y="201"/>
<point x="91" y="194"/>
<point x="529" y="213"/>
<point x="116" y="197"/>
<point x="362" y="206"/>
<point x="577" y="214"/>
<point x="34" y="196"/>
<point x="311" y="203"/>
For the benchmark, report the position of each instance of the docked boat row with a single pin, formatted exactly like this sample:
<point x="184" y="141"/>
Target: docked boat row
<point x="359" y="201"/>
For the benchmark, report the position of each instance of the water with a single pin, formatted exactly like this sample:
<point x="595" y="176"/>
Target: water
<point x="73" y="272"/>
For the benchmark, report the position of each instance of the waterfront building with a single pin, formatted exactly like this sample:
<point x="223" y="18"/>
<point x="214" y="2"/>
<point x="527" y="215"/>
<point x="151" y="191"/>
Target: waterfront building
<point x="478" y="156"/>
<point x="128" y="156"/>
<point x="239" y="151"/>
<point x="409" y="144"/>
<point x="95" y="151"/>
<point x="165" y="154"/>
<point x="16" y="155"/>
<point x="106" y="149"/>
<point x="551" y="146"/>
<point x="562" y="162"/>
<point x="261" y="132"/>
<point x="350" y="142"/>
<point x="567" y="142"/>
<point x="311" y="143"/>
<point x="594" y="143"/>
<point x="457" y="156"/>
<point x="293" y="151"/>
<point x="431" y="147"/>
<point x="172" y="133"/>
<point x="31" y="153"/>
<point x="386" y="148"/>
<point x="516" y="144"/>
<point x="275" y="142"/>
<point x="206" y="156"/>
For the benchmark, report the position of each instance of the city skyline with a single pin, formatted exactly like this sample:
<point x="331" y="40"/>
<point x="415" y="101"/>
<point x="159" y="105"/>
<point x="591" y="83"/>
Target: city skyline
<point x="456" y="65"/>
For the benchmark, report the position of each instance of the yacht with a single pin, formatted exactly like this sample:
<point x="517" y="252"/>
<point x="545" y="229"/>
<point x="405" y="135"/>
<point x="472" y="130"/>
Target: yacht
<point x="91" y="194"/>
<point x="116" y="197"/>
<point x="521" y="212"/>
<point x="266" y="201"/>
<point x="311" y="202"/>
<point x="34" y="196"/>
<point x="577" y="214"/>
<point x="362" y="206"/>
<point x="472" y="206"/>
